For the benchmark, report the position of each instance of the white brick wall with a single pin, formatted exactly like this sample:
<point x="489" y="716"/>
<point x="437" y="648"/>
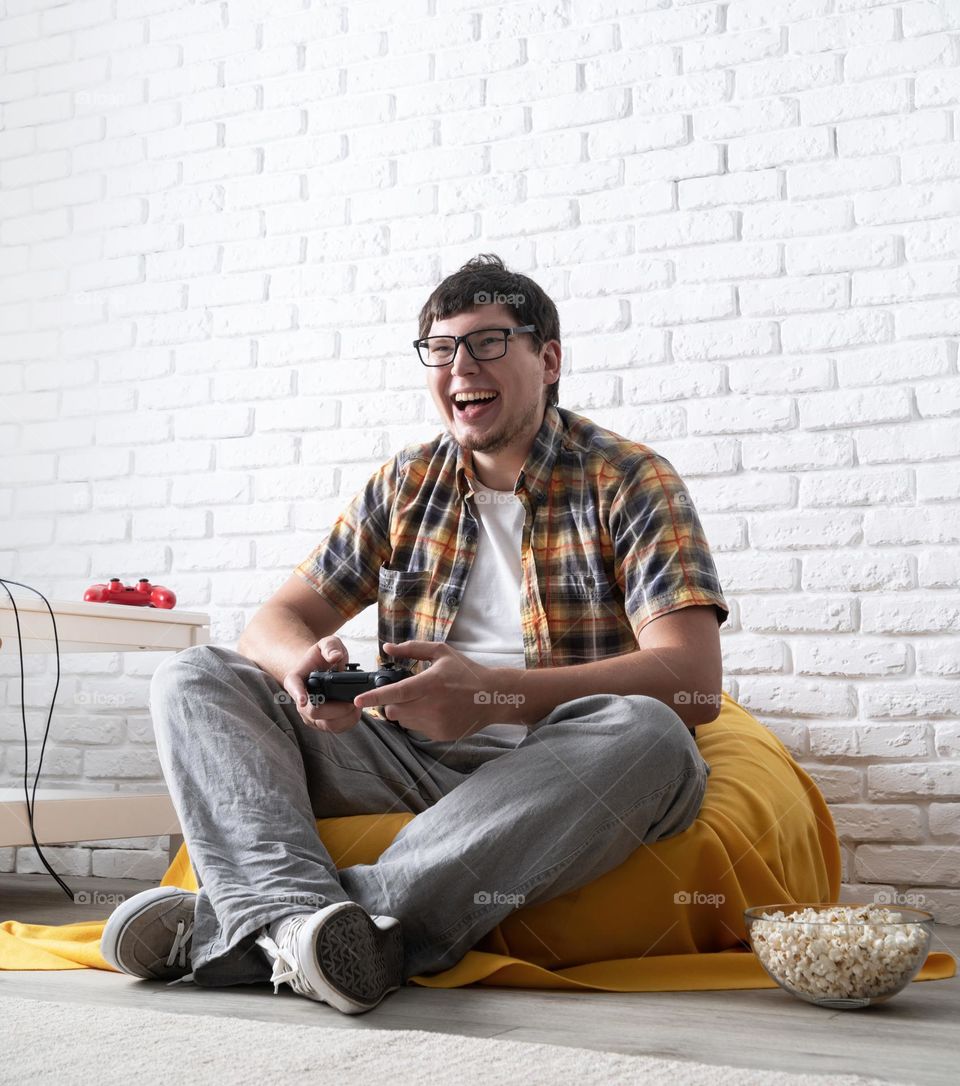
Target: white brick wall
<point x="217" y="225"/>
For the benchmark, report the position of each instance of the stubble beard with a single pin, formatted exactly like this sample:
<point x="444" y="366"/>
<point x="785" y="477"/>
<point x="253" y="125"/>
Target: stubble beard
<point x="499" y="438"/>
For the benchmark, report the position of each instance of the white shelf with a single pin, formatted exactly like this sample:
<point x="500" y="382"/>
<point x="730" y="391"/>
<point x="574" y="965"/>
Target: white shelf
<point x="100" y="627"/>
<point x="74" y="815"/>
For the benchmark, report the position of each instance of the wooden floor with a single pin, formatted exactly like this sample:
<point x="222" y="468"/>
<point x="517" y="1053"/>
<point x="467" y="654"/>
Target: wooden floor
<point x="914" y="1038"/>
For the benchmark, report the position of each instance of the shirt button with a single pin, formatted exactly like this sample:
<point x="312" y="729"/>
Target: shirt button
<point x="469" y="539"/>
<point x="452" y="599"/>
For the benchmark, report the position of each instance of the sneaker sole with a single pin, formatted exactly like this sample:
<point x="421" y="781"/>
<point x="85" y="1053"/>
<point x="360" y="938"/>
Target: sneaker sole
<point x="125" y="914"/>
<point x="359" y="958"/>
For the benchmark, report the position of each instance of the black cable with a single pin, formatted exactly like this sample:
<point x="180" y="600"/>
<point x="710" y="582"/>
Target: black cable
<point x="32" y="798"/>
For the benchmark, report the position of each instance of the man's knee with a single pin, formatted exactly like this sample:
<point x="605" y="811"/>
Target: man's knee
<point x="186" y="666"/>
<point x="648" y="728"/>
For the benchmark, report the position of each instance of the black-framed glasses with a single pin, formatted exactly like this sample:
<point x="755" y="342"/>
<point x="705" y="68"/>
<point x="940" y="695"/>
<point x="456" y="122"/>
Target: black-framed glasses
<point x="484" y="344"/>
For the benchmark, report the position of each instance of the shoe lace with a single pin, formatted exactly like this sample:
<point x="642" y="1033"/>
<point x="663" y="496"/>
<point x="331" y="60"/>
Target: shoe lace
<point x="180" y="948"/>
<point x="286" y="966"/>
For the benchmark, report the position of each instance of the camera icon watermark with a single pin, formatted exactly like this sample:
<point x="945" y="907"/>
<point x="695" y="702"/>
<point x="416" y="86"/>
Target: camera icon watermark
<point x="497" y="697"/>
<point x="697" y="897"/>
<point x="486" y="297"/>
<point x="496" y="897"/>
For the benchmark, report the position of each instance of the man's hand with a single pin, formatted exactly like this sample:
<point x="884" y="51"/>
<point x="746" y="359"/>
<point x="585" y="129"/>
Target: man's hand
<point x="328" y="653"/>
<point x="450" y="699"/>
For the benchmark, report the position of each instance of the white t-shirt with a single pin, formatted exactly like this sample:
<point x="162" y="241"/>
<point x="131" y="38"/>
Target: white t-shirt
<point x="487" y="625"/>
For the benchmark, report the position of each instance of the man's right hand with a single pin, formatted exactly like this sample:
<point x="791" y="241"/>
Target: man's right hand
<point x="328" y="654"/>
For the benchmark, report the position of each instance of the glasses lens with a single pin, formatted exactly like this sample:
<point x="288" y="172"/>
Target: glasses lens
<point x="488" y="343"/>
<point x="436" y="350"/>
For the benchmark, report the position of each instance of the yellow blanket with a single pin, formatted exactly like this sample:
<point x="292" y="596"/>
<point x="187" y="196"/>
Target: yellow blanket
<point x="670" y="918"/>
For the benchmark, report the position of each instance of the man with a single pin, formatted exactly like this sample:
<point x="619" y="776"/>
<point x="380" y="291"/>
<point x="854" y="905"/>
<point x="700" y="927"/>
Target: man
<point x="549" y="585"/>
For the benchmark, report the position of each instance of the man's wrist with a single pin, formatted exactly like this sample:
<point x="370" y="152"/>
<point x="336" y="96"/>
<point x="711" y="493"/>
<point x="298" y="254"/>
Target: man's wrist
<point x="512" y="693"/>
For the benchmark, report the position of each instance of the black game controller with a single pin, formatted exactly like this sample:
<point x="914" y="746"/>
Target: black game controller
<point x="345" y="685"/>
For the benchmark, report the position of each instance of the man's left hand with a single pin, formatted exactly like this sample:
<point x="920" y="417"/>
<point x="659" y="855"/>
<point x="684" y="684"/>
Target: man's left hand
<point x="450" y="699"/>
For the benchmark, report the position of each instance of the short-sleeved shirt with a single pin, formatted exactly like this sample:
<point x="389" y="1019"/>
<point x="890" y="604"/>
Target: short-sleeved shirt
<point x="611" y="541"/>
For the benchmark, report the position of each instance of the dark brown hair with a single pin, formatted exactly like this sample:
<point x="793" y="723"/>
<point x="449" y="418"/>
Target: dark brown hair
<point x="486" y="274"/>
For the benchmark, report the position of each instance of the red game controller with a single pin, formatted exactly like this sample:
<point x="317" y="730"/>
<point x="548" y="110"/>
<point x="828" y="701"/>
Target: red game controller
<point x="144" y="595"/>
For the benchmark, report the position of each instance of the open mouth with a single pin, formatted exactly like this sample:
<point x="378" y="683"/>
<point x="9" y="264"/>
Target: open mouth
<point x="472" y="405"/>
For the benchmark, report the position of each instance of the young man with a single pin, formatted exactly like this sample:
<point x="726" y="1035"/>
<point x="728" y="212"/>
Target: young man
<point x="549" y="584"/>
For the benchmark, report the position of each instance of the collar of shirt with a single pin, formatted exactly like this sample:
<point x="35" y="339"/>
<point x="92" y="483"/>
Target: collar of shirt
<point x="535" y="475"/>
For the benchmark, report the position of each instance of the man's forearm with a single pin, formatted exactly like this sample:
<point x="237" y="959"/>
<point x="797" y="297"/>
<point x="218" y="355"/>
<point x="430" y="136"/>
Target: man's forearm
<point x="275" y="638"/>
<point x="662" y="673"/>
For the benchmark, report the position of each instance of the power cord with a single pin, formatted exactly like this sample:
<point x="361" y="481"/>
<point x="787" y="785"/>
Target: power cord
<point x="31" y="798"/>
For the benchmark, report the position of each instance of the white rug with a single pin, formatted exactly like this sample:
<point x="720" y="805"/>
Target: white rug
<point x="75" y="1044"/>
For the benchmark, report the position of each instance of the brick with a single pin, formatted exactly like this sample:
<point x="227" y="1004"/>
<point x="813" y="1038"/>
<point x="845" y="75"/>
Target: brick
<point x="804" y="294"/>
<point x="938" y="568"/>
<point x="849" y="657"/>
<point x="858" y="573"/>
<point x="939" y="657"/>
<point x="746" y="655"/>
<point x="854" y="407"/>
<point x="858" y="487"/>
<point x="891" y="134"/>
<point x="803" y="218"/>
<point x="724" y="339"/>
<point x="740" y="415"/>
<point x="731" y="189"/>
<point x="782" y="374"/>
<point x="797" y="614"/>
<point x="839" y="784"/>
<point x="790" y="530"/>
<point x="850" y="103"/>
<point x="64" y="860"/>
<point x="129" y="863"/>
<point x="875" y="822"/>
<point x="828" y="331"/>
<point x="796" y="698"/>
<point x="898" y="862"/>
<point x="911" y="700"/>
<point x="910" y="614"/>
<point x="899" y="741"/>
<point x="927" y="440"/>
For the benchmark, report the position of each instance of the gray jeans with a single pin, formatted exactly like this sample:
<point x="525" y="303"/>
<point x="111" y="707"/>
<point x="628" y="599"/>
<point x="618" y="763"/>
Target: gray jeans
<point x="500" y="824"/>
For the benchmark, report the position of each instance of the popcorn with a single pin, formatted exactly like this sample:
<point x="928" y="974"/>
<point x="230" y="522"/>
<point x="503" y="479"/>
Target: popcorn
<point x="862" y="951"/>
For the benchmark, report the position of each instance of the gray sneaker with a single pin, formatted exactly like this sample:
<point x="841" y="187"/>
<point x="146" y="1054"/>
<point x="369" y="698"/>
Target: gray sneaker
<point x="340" y="955"/>
<point x="149" y="934"/>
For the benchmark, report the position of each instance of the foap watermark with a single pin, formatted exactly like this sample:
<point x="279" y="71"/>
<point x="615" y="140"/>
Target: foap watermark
<point x="486" y="297"/>
<point x="283" y="698"/>
<point x="497" y="897"/>
<point x="311" y="900"/>
<point x="497" y="497"/>
<point x="98" y="98"/>
<point x="97" y="897"/>
<point x="497" y="697"/>
<point x="697" y="697"/>
<point x="892" y="897"/>
<point x="98" y="699"/>
<point x="697" y="897"/>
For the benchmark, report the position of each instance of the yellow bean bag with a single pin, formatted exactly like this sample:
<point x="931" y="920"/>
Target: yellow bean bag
<point x="670" y="918"/>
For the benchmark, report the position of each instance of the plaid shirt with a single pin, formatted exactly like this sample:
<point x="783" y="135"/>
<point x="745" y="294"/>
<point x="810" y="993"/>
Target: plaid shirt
<point x="611" y="540"/>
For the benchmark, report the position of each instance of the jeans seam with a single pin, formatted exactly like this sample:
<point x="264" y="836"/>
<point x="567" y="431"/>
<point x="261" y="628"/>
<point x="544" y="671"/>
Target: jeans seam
<point x="465" y="921"/>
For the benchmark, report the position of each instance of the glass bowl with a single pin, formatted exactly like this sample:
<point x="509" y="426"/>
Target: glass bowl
<point x="841" y="955"/>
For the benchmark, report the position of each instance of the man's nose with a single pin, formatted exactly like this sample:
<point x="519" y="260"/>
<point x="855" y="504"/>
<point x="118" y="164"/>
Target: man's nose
<point x="463" y="360"/>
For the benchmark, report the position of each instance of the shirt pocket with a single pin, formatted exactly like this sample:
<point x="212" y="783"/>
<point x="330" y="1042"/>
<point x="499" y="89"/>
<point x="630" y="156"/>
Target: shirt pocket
<point x="405" y="610"/>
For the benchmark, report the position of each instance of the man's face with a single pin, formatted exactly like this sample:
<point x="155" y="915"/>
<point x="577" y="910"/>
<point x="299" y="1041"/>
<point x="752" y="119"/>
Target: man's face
<point x="516" y="378"/>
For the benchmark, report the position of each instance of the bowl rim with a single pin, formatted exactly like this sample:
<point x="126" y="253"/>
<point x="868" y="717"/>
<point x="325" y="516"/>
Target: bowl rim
<point x="919" y="916"/>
